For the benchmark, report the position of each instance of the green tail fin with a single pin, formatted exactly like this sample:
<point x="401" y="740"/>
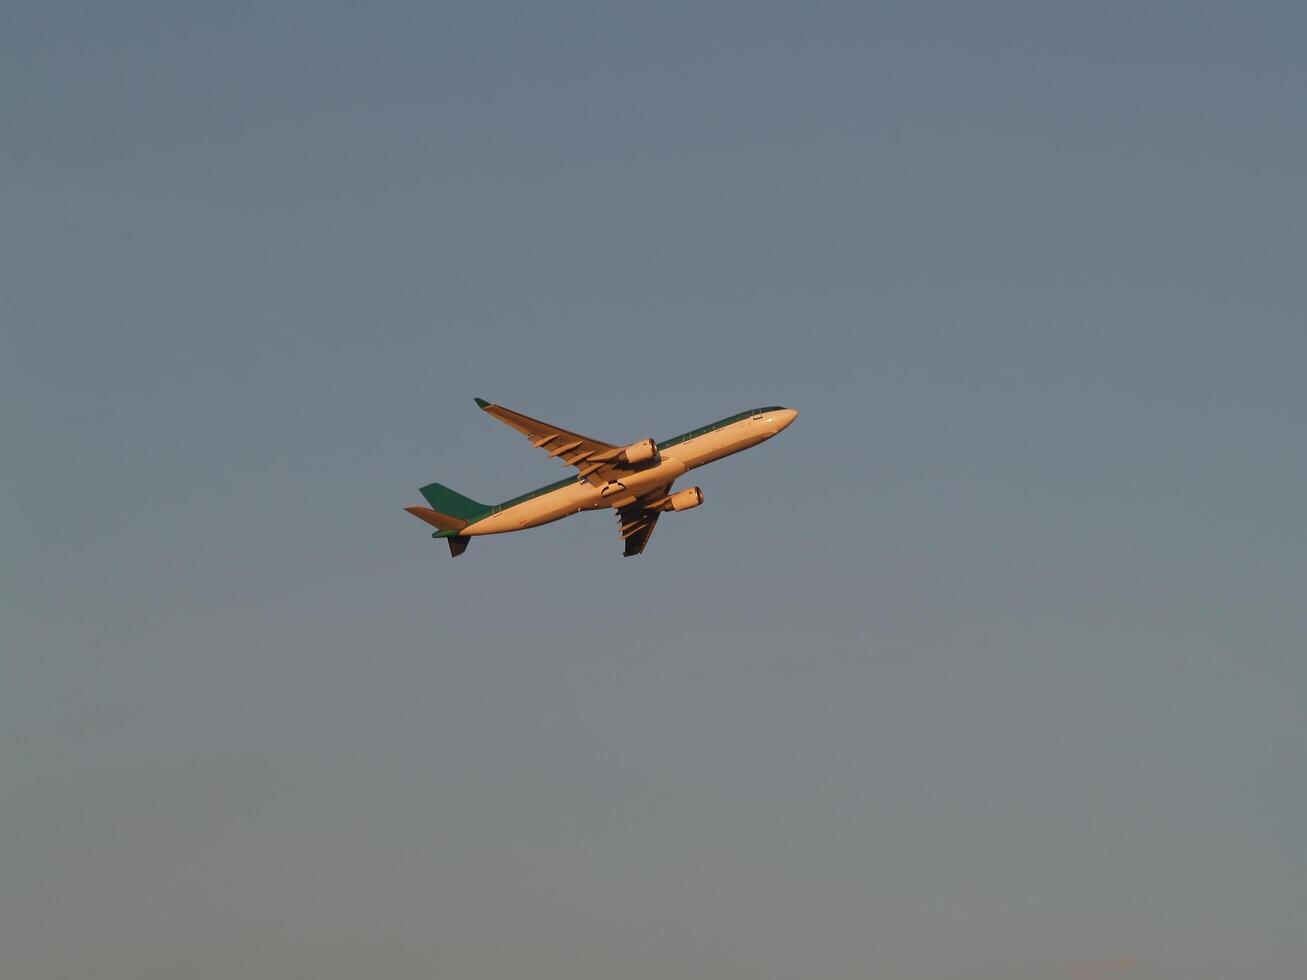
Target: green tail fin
<point x="450" y="502"/>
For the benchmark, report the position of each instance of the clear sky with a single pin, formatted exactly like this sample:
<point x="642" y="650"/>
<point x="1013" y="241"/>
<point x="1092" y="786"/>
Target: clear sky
<point x="991" y="667"/>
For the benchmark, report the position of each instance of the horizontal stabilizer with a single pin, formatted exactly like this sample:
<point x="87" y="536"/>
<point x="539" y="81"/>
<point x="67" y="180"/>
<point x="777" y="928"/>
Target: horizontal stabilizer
<point x="443" y="522"/>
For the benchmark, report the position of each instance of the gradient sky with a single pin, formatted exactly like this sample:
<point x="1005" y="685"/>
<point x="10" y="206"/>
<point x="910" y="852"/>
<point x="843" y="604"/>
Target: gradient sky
<point x="991" y="667"/>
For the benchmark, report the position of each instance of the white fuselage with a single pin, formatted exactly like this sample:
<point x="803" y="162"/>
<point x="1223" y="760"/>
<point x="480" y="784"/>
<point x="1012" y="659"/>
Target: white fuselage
<point x="675" y="460"/>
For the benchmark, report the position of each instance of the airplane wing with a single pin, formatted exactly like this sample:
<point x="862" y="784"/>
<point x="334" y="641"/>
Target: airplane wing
<point x="636" y="521"/>
<point x="637" y="524"/>
<point x="596" y="461"/>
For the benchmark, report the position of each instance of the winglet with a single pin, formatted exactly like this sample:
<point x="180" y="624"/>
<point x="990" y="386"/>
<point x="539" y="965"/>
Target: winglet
<point x="481" y="403"/>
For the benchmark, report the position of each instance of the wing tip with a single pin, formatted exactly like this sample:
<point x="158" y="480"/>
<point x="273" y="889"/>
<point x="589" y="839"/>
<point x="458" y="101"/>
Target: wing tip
<point x="481" y="402"/>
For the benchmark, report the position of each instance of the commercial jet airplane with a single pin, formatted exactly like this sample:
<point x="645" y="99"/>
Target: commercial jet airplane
<point x="634" y="480"/>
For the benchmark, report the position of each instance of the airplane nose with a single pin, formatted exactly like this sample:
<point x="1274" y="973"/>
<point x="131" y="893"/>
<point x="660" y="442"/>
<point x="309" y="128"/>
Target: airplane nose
<point x="779" y="420"/>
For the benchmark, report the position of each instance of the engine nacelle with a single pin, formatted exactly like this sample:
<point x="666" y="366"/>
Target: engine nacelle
<point x="639" y="452"/>
<point x="685" y="499"/>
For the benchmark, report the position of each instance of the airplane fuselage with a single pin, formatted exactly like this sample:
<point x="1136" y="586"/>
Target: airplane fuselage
<point x="676" y="457"/>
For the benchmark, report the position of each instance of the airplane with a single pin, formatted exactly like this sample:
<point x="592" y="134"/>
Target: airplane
<point x="635" y="480"/>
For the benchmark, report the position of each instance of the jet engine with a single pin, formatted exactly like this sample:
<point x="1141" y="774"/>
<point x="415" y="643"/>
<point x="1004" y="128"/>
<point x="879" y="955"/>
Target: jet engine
<point x="639" y="452"/>
<point x="685" y="499"/>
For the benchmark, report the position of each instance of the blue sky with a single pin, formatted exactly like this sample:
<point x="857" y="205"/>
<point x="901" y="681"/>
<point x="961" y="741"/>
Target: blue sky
<point x="990" y="667"/>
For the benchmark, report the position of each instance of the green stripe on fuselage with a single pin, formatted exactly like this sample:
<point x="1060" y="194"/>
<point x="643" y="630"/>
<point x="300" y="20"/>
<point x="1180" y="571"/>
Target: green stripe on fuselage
<point x="536" y="493"/>
<point x="719" y="424"/>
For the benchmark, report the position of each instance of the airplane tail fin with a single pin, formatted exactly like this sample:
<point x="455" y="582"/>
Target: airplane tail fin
<point x="447" y="501"/>
<point x="449" y="513"/>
